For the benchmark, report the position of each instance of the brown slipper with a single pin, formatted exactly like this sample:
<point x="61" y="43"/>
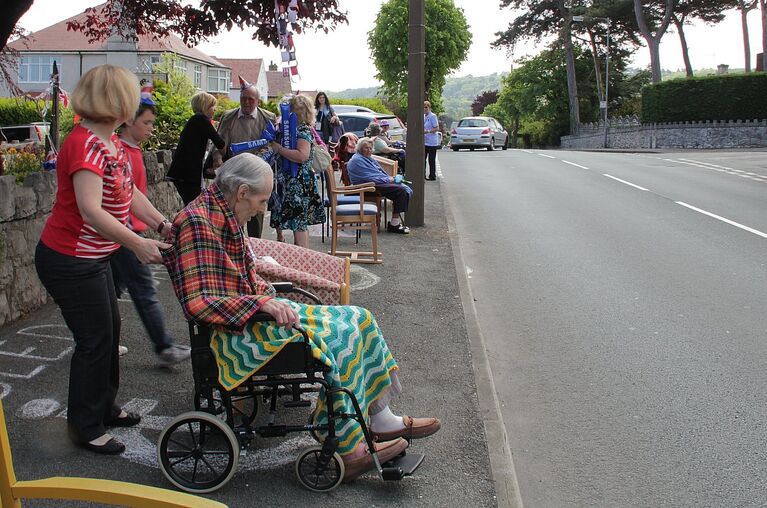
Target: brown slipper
<point x="414" y="428"/>
<point x="386" y="451"/>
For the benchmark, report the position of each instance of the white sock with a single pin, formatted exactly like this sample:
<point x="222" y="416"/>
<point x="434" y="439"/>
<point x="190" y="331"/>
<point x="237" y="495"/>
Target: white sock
<point x="394" y="221"/>
<point x="386" y="421"/>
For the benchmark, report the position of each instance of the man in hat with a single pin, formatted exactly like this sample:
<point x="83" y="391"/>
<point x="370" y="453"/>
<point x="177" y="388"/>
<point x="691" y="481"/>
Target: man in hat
<point x="245" y="123"/>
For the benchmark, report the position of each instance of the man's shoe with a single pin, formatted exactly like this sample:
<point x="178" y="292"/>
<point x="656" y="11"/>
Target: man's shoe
<point x="386" y="451"/>
<point x="172" y="355"/>
<point x="399" y="228"/>
<point x="415" y="428"/>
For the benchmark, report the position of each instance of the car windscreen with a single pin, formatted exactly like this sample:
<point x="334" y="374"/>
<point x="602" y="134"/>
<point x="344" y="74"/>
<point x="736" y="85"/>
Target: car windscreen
<point x="472" y="122"/>
<point x="354" y="123"/>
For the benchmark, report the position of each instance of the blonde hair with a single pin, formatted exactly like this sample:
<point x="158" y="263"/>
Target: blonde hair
<point x="303" y="108"/>
<point x="201" y="101"/>
<point x="427" y="104"/>
<point x="106" y="93"/>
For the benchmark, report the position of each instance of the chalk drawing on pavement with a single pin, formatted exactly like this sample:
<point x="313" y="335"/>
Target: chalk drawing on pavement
<point x="362" y="278"/>
<point x="32" y="345"/>
<point x="6" y="389"/>
<point x="142" y="450"/>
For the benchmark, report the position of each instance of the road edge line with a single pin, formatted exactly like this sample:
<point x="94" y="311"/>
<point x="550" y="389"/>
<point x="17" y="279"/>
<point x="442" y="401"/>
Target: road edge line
<point x="501" y="460"/>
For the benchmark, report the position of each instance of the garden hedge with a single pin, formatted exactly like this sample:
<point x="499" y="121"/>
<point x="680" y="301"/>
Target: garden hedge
<point x="20" y="112"/>
<point x="725" y="97"/>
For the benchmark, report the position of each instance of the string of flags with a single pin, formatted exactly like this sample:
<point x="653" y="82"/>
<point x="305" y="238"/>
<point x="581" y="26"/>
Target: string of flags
<point x="285" y="13"/>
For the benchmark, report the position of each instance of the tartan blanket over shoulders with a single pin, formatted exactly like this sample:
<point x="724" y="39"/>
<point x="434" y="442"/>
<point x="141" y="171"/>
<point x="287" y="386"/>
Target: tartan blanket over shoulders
<point x="212" y="269"/>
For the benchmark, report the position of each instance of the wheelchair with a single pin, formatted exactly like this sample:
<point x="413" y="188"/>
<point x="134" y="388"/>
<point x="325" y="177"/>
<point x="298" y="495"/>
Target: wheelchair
<point x="198" y="451"/>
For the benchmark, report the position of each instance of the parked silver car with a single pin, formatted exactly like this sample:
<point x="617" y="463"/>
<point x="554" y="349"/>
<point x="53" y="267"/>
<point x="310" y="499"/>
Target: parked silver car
<point x="478" y="132"/>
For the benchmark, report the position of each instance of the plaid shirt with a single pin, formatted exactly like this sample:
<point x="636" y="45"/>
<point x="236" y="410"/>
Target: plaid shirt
<point x="212" y="271"/>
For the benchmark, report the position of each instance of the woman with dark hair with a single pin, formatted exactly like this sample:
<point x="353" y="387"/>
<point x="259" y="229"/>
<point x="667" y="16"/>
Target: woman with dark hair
<point x="346" y="148"/>
<point x="325" y="118"/>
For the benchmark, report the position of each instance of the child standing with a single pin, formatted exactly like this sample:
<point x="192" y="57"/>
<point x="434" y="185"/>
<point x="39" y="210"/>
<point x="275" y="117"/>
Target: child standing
<point x="130" y="273"/>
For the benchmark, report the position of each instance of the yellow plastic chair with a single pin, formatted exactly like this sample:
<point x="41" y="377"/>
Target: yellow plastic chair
<point x="110" y="492"/>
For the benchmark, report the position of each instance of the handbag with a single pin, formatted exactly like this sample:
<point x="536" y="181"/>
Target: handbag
<point x="321" y="159"/>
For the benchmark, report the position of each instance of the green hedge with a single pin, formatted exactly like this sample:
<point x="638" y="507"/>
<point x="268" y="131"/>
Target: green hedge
<point x="727" y="97"/>
<point x="376" y="104"/>
<point x="20" y="111"/>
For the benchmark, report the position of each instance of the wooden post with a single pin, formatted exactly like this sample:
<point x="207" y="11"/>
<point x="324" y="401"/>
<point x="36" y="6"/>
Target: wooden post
<point x="54" y="130"/>
<point x="415" y="98"/>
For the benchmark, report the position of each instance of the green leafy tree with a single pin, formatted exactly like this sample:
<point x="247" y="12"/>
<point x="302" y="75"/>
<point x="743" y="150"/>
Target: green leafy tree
<point x="447" y="45"/>
<point x="173" y="111"/>
<point x="653" y="21"/>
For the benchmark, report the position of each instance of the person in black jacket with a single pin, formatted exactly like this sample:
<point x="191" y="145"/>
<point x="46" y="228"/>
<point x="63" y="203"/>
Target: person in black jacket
<point x="186" y="169"/>
<point x="325" y="118"/>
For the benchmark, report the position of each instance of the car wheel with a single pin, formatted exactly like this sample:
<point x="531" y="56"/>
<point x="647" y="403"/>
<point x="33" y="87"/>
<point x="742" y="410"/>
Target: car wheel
<point x="471" y="149"/>
<point x="492" y="145"/>
<point x="506" y="143"/>
<point x="455" y="148"/>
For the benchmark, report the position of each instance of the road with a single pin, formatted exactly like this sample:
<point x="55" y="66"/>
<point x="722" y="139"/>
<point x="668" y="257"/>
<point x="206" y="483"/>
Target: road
<point x="622" y="302"/>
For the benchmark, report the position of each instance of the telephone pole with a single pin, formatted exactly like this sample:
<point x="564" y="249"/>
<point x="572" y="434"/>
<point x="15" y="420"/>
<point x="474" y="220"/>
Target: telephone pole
<point x="415" y="97"/>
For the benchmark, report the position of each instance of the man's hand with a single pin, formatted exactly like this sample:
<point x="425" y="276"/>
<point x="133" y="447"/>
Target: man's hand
<point x="281" y="311"/>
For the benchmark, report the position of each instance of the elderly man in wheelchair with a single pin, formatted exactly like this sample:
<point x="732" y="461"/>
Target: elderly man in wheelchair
<point x="250" y="344"/>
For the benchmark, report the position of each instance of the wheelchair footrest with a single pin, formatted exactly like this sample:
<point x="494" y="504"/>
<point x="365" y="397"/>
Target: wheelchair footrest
<point x="401" y="466"/>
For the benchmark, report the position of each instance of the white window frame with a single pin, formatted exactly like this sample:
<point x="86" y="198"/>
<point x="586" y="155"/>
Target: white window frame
<point x="180" y="65"/>
<point x="220" y="78"/>
<point x="41" y="65"/>
<point x="198" y="76"/>
<point x="154" y="60"/>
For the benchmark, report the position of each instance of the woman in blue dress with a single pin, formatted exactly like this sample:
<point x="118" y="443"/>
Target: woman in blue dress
<point x="301" y="201"/>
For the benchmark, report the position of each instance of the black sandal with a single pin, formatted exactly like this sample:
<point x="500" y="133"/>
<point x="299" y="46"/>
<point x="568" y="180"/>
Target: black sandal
<point x="111" y="447"/>
<point x="129" y="420"/>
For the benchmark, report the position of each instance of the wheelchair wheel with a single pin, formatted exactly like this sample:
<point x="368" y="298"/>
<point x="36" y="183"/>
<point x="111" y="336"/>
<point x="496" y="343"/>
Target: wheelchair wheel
<point x="198" y="452"/>
<point x="316" y="477"/>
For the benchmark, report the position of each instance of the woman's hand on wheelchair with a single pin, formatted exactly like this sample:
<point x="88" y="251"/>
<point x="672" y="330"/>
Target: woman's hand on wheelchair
<point x="282" y="313"/>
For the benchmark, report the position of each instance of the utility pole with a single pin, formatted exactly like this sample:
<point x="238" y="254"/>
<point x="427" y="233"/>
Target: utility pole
<point x="415" y="97"/>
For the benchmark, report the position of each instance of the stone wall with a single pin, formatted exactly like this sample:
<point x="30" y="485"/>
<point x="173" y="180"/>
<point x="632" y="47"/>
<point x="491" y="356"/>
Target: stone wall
<point x="23" y="211"/>
<point x="630" y="134"/>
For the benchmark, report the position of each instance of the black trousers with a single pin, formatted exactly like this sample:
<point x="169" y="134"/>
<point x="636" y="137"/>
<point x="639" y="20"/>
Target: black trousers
<point x="84" y="291"/>
<point x="397" y="193"/>
<point x="187" y="190"/>
<point x="431" y="156"/>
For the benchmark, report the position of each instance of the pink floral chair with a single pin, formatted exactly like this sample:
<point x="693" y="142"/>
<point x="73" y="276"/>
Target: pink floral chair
<point x="319" y="273"/>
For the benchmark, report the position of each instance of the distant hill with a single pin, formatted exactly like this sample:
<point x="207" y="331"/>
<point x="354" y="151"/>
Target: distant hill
<point x="457" y="95"/>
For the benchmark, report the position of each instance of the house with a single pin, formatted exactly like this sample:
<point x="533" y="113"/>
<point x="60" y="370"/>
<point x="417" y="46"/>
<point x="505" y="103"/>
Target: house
<point x="252" y="70"/>
<point x="74" y="56"/>
<point x="279" y="84"/>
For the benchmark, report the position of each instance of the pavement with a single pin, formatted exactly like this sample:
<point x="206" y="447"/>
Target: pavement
<point x="421" y="299"/>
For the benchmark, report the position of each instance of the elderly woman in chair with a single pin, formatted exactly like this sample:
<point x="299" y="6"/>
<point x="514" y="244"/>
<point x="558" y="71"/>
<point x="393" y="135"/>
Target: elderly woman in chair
<point x="213" y="273"/>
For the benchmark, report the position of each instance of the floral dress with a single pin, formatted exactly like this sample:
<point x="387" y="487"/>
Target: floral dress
<point x="301" y="202"/>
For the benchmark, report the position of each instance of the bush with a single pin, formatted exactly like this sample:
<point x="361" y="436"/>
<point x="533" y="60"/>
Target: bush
<point x="727" y="97"/>
<point x="17" y="111"/>
<point x="173" y="111"/>
<point x="376" y="104"/>
<point x="21" y="162"/>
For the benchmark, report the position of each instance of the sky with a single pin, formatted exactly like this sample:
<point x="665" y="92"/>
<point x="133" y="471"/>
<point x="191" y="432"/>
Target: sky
<point x="317" y="52"/>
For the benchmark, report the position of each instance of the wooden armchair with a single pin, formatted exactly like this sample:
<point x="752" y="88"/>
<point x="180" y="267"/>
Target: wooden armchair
<point x="111" y="492"/>
<point x="358" y="217"/>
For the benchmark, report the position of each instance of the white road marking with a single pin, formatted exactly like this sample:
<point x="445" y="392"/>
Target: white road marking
<point x="38" y="408"/>
<point x="574" y="164"/>
<point x="363" y="278"/>
<point x="547" y="156"/>
<point x="624" y="181"/>
<point x="6" y="390"/>
<point x="727" y="221"/>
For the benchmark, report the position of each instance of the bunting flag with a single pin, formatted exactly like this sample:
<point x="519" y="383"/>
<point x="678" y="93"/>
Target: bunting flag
<point x="286" y="13"/>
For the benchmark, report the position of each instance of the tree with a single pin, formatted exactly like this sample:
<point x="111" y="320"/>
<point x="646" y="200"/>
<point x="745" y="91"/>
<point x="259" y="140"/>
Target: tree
<point x="540" y="19"/>
<point x="483" y="100"/>
<point x="744" y="7"/>
<point x="159" y="18"/>
<point x="708" y="11"/>
<point x="447" y="45"/>
<point x="647" y="20"/>
<point x="763" y="8"/>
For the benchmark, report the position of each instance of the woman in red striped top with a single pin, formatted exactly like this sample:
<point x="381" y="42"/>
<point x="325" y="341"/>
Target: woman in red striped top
<point x="87" y="224"/>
